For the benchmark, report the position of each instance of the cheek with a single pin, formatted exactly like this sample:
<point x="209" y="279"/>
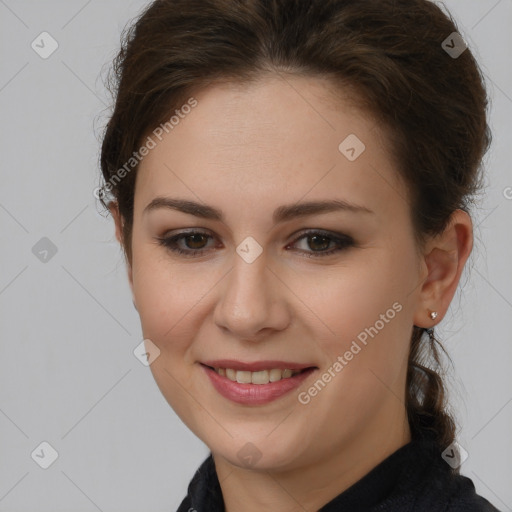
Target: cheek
<point x="167" y="301"/>
<point x="365" y="317"/>
<point x="367" y="356"/>
<point x="354" y="297"/>
<point x="170" y="298"/>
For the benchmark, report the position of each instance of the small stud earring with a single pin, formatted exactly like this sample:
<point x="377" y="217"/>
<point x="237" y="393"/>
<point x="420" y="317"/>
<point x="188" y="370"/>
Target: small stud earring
<point x="430" y="331"/>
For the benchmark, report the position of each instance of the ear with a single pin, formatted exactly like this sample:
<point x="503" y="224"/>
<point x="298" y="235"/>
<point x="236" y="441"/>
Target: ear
<point x="118" y="220"/>
<point x="444" y="259"/>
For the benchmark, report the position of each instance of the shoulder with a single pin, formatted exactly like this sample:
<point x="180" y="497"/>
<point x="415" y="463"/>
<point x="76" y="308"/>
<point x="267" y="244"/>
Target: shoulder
<point x="463" y="497"/>
<point x="436" y="487"/>
<point x="428" y="484"/>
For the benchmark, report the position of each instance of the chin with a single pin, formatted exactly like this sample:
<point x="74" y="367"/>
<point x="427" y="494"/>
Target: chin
<point x="261" y="453"/>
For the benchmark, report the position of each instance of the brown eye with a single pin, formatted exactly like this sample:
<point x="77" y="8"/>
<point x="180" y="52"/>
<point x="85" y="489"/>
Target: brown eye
<point x="319" y="242"/>
<point x="197" y="239"/>
<point x="194" y="243"/>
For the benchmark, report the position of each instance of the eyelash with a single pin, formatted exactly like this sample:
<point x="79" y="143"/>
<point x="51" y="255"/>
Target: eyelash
<point x="343" y="241"/>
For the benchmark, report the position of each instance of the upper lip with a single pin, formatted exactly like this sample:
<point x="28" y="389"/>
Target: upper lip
<point x="256" y="365"/>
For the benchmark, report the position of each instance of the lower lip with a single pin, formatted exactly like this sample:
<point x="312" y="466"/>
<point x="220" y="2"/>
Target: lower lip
<point x="255" y="394"/>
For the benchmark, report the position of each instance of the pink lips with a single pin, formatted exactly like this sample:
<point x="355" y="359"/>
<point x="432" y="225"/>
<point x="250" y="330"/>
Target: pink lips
<point x="255" y="394"/>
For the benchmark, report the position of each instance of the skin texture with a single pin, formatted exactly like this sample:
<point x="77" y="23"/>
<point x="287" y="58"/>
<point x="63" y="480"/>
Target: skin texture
<point x="246" y="150"/>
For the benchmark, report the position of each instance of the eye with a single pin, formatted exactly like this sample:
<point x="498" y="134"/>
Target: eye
<point x="321" y="240"/>
<point x="195" y="243"/>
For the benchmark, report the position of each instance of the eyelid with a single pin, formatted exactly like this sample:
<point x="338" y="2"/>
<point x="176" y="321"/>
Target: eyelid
<point x="296" y="235"/>
<point x="342" y="240"/>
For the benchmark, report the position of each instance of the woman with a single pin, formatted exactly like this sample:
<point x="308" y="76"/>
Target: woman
<point x="290" y="182"/>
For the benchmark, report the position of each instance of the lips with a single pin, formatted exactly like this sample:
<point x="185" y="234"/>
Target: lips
<point x="250" y="383"/>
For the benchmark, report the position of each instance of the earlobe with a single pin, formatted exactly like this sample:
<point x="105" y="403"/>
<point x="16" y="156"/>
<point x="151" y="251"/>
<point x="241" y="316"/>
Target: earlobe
<point x="445" y="257"/>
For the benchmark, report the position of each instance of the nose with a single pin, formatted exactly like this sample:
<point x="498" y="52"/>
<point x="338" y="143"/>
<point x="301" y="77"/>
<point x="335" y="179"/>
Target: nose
<point x="253" y="301"/>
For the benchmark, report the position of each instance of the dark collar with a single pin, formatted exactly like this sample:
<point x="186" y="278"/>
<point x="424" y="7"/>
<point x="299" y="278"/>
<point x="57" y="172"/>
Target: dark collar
<point x="414" y="477"/>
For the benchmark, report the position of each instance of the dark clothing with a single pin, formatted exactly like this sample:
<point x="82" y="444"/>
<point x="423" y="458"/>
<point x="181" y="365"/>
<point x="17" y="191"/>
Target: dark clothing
<point x="414" y="478"/>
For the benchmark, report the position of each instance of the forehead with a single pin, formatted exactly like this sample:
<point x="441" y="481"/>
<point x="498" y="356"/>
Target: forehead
<point x="280" y="138"/>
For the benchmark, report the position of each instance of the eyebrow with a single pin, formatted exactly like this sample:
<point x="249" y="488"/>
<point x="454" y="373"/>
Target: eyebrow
<point x="281" y="214"/>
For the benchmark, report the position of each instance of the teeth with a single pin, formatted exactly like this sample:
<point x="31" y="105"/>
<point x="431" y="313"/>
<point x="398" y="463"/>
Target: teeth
<point x="275" y="375"/>
<point x="261" y="377"/>
<point x="243" y="377"/>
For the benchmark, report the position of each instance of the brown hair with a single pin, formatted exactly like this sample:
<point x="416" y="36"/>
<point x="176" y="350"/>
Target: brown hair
<point x="432" y="104"/>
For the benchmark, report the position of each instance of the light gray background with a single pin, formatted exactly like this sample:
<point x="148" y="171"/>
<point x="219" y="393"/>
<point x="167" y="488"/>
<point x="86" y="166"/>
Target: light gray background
<point x="68" y="328"/>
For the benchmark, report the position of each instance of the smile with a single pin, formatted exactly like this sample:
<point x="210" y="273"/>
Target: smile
<point x="255" y="387"/>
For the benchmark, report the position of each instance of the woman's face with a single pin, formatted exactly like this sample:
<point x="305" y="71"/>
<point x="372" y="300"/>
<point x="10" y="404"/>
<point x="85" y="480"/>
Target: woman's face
<point x="270" y="283"/>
